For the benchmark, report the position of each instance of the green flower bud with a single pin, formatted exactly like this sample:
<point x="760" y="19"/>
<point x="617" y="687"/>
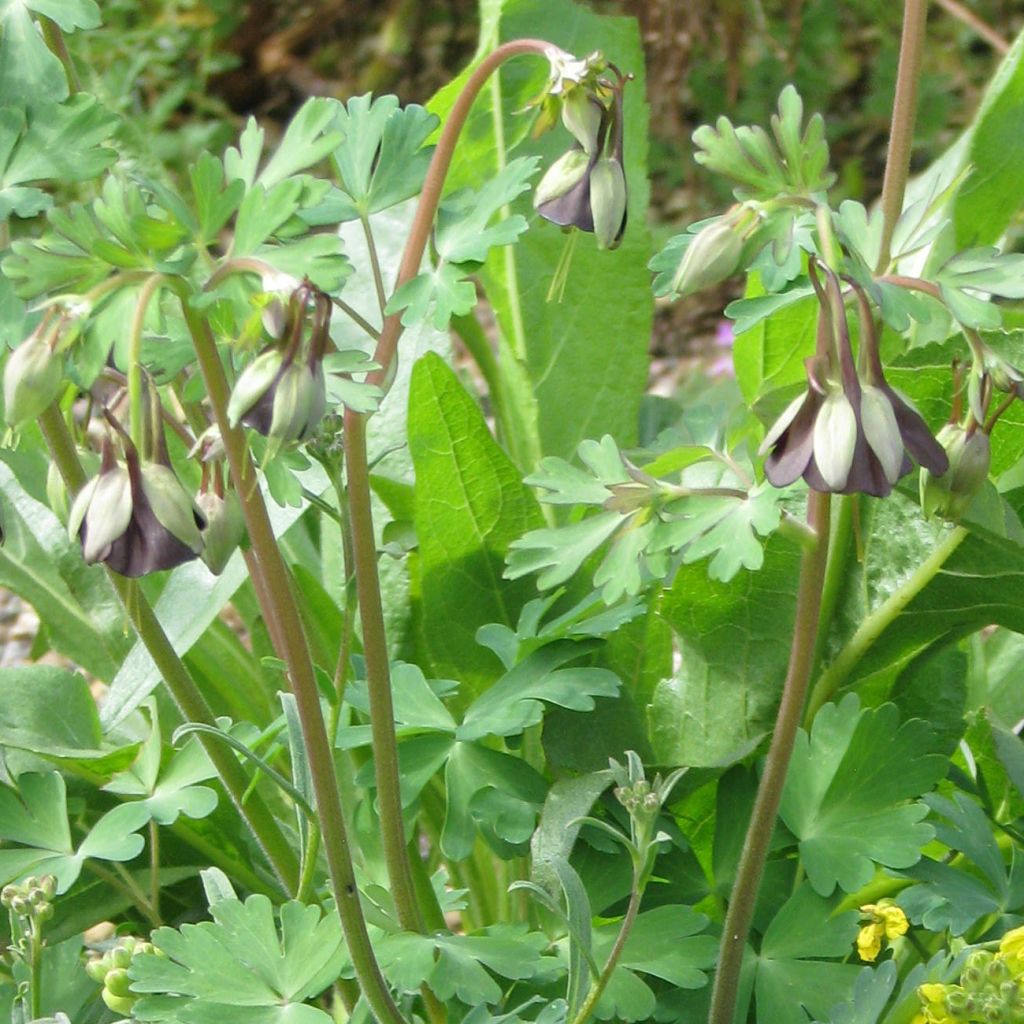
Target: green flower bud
<point x="97" y="969"/>
<point x="117" y="982"/>
<point x="581" y="115"/>
<point x="43" y="911"/>
<point x="712" y="256"/>
<point x="32" y="379"/>
<point x="225" y="528"/>
<point x="49" y="885"/>
<point x="21" y="906"/>
<point x="121" y="956"/>
<point x="949" y="495"/>
<point x="118" y="1004"/>
<point x="7" y="895"/>
<point x="608" y="202"/>
<point x="959" y="1004"/>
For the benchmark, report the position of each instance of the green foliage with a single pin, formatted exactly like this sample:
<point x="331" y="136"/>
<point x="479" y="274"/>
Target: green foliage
<point x="849" y="792"/>
<point x="35" y="819"/>
<point x="239" y="964"/>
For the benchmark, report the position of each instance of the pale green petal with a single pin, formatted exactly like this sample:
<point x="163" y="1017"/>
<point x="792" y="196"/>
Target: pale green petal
<point x="835" y="438"/>
<point x="250" y="387"/>
<point x="80" y="506"/>
<point x="171" y="504"/>
<point x="882" y="431"/>
<point x="108" y="514"/>
<point x="607" y="201"/>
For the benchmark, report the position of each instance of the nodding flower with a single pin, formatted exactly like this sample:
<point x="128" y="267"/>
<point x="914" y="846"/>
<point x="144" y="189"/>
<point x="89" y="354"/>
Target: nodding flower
<point x="586" y="187"/>
<point x="847" y="434"/>
<point x="136" y="517"/>
<point x="282" y="394"/>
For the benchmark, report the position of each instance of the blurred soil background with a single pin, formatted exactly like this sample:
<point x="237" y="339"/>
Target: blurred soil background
<point x="188" y="72"/>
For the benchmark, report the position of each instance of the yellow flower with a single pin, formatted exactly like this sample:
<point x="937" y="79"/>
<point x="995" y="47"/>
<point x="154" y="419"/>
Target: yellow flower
<point x="885" y="920"/>
<point x="1011" y="948"/>
<point x="933" y="1005"/>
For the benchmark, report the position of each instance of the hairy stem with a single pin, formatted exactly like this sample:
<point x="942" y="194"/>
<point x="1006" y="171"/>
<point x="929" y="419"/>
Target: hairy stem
<point x="281" y="606"/>
<point x="182" y="686"/>
<point x="769" y="793"/>
<point x="879" y="620"/>
<point x="901" y="132"/>
<point x="54" y="39"/>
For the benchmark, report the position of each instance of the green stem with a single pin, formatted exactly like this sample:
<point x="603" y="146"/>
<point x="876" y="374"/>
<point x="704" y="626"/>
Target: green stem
<point x="132" y="892"/>
<point x="186" y="694"/>
<point x="901" y="132"/>
<point x="769" y="793"/>
<point x="36" y="967"/>
<point x="136" y="415"/>
<point x="378" y="277"/>
<point x="597" y="989"/>
<point x="154" y="869"/>
<point x="378" y="671"/>
<point x="294" y="651"/>
<point x="54" y="39"/>
<point x="879" y="620"/>
<point x="840" y="550"/>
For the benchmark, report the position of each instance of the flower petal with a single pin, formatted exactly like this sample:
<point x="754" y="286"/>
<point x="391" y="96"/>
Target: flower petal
<point x="108" y="515"/>
<point x="881" y="430"/>
<point x="795" y="445"/>
<point x="917" y="438"/>
<point x="835" y="438"/>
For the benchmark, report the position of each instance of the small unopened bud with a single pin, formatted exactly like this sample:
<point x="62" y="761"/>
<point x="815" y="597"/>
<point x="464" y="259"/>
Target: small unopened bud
<point x="959" y="1004"/>
<point x="712" y="256"/>
<point x="225" y="528"/>
<point x="581" y="115"/>
<point x="117" y="982"/>
<point x="121" y="956"/>
<point x="97" y="969"/>
<point x="32" y="379"/>
<point x="49" y="885"/>
<point x="252" y="386"/>
<point x="7" y="895"/>
<point x="43" y="911"/>
<point x="21" y="906"/>
<point x="949" y="496"/>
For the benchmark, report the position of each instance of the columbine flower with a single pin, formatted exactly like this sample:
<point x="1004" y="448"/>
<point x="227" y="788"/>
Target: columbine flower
<point x="885" y="920"/>
<point x="279" y="394"/>
<point x="843" y="434"/>
<point x="586" y="187"/>
<point x="135" y="518"/>
<point x="33" y="374"/>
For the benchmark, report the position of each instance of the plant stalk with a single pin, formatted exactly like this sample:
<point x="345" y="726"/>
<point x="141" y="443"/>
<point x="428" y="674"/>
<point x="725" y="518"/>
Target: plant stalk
<point x="281" y="605"/>
<point x="378" y="671"/>
<point x="769" y="793"/>
<point x="186" y="694"/>
<point x="901" y="132"/>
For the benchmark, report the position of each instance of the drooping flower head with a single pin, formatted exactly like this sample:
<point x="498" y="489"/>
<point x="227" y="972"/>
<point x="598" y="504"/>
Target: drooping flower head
<point x="281" y="394"/>
<point x="135" y="516"/>
<point x="586" y="187"/>
<point x="846" y="434"/>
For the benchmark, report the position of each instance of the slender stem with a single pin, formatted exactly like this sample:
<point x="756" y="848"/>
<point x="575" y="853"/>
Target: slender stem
<point x="294" y="652"/>
<point x="879" y="620"/>
<point x="597" y="989"/>
<point x="840" y="550"/>
<point x="186" y="694"/>
<point x="54" y="39"/>
<point x="378" y="277"/>
<point x="128" y="889"/>
<point x="36" y="967"/>
<point x="769" y="792"/>
<point x="136" y="416"/>
<point x="963" y="13"/>
<point x="154" y="868"/>
<point x="901" y="132"/>
<point x="375" y="649"/>
<point x="356" y="318"/>
<point x="378" y="674"/>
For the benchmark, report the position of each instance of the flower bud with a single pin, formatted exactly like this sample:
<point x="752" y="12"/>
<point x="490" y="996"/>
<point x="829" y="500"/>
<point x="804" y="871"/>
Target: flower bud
<point x="959" y="1004"/>
<point x="608" y="202"/>
<point x="225" y="528"/>
<point x="43" y="911"/>
<point x="49" y="885"/>
<point x="7" y="895"/>
<point x="712" y="256"/>
<point x="247" y="401"/>
<point x="949" y="496"/>
<point x="117" y="982"/>
<point x="32" y="379"/>
<point x="118" y="1004"/>
<point x="97" y="969"/>
<point x="581" y="115"/>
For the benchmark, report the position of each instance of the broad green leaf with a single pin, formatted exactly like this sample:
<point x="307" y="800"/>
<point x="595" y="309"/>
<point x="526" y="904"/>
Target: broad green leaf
<point x="796" y="968"/>
<point x="382" y="159"/>
<point x="51" y="712"/>
<point x="84" y="619"/>
<point x="61" y="142"/>
<point x="35" y="820"/>
<point x="309" y="138"/>
<point x="987" y="199"/>
<point x="169" y="791"/>
<point x="954" y="898"/>
<point x="849" y="793"/>
<point x="239" y="968"/>
<point x="734" y="643"/>
<point x="470" y="505"/>
<point x="586" y="352"/>
<point x="461" y="966"/>
<point x="871" y="993"/>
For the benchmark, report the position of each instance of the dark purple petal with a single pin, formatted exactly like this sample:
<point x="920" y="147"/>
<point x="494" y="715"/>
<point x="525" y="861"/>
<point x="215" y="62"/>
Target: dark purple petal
<point x="918" y="439"/>
<point x="793" y="450"/>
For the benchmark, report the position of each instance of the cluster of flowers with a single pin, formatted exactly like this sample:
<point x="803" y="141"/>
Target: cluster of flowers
<point x="135" y="516"/>
<point x="991" y="988"/>
<point x="111" y="971"/>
